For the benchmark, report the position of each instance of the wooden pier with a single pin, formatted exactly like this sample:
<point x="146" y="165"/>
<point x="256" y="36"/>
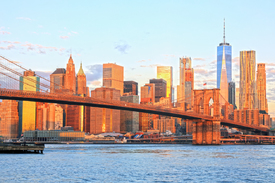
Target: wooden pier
<point x="21" y="148"/>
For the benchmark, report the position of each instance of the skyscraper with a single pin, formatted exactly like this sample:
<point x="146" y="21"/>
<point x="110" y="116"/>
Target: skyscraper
<point x="231" y="93"/>
<point x="58" y="80"/>
<point x="186" y="86"/>
<point x="27" y="110"/>
<point x="105" y="120"/>
<point x="261" y="87"/>
<point x="166" y="73"/>
<point x="81" y="90"/>
<point x="248" y="95"/>
<point x="131" y="87"/>
<point x="81" y="87"/>
<point x="70" y="81"/>
<point x="224" y="66"/>
<point x="147" y="96"/>
<point x="113" y="76"/>
<point x="129" y="120"/>
<point x="9" y="118"/>
<point x="160" y="88"/>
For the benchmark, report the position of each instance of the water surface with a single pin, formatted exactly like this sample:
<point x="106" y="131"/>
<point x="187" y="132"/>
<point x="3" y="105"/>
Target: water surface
<point x="142" y="163"/>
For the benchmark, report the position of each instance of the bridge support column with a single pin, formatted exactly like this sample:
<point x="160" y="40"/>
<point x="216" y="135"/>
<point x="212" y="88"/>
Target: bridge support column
<point x="206" y="132"/>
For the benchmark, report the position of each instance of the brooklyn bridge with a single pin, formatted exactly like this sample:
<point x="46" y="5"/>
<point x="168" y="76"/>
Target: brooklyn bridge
<point x="206" y="122"/>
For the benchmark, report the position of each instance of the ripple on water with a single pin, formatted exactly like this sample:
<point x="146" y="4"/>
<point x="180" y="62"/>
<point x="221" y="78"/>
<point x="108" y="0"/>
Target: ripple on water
<point x="141" y="163"/>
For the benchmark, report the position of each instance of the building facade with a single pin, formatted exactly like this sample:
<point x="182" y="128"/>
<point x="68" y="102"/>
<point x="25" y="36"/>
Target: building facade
<point x="27" y="110"/>
<point x="57" y="80"/>
<point x="261" y="88"/>
<point x="186" y="86"/>
<point x="130" y="87"/>
<point x="81" y="87"/>
<point x="147" y="96"/>
<point x="70" y="80"/>
<point x="248" y="93"/>
<point x="104" y="120"/>
<point x="9" y="119"/>
<point x="113" y="76"/>
<point x="166" y="73"/>
<point x="160" y="88"/>
<point x="224" y="65"/>
<point x="231" y="93"/>
<point x="129" y="120"/>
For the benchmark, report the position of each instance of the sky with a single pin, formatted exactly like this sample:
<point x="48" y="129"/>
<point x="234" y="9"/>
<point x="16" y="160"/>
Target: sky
<point x="139" y="35"/>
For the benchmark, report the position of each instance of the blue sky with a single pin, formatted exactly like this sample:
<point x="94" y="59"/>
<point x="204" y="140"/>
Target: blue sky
<point x="138" y="35"/>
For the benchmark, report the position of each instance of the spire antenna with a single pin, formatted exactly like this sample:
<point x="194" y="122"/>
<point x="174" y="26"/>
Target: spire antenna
<point x="224" y="31"/>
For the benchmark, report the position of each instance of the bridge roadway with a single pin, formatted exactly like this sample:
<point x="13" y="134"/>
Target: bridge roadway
<point x="119" y="105"/>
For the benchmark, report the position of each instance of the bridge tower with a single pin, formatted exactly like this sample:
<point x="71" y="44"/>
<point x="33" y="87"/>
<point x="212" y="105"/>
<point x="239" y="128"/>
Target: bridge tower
<point x="207" y="132"/>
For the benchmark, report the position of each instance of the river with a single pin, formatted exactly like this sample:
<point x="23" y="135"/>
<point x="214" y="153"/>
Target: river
<point x="142" y="163"/>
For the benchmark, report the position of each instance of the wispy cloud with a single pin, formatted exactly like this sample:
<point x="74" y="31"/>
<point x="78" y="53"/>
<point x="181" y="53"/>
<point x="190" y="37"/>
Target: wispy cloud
<point x="3" y="32"/>
<point x="141" y="61"/>
<point x="24" y="18"/>
<point x="64" y="37"/>
<point x="8" y="45"/>
<point x="122" y="47"/>
<point x="200" y="59"/>
<point x="151" y="66"/>
<point x="270" y="64"/>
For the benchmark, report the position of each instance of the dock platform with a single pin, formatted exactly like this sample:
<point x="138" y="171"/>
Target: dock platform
<point x="21" y="148"/>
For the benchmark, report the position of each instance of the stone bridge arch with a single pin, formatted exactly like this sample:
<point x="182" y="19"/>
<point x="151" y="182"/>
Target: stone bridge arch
<point x="206" y="132"/>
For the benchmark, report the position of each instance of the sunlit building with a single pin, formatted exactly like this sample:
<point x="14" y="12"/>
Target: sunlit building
<point x="224" y="68"/>
<point x="164" y="124"/>
<point x="129" y="120"/>
<point x="261" y="88"/>
<point x="248" y="93"/>
<point x="231" y="93"/>
<point x="58" y="117"/>
<point x="186" y="86"/>
<point x="130" y="87"/>
<point x="147" y="96"/>
<point x="160" y="88"/>
<point x="57" y="80"/>
<point x="113" y="76"/>
<point x="82" y="90"/>
<point x="27" y="110"/>
<point x="166" y="73"/>
<point x="9" y="119"/>
<point x="81" y="87"/>
<point x="70" y="80"/>
<point x="237" y="98"/>
<point x="104" y="120"/>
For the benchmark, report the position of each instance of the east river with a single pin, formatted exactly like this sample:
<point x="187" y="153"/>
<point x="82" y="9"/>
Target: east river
<point x="142" y="163"/>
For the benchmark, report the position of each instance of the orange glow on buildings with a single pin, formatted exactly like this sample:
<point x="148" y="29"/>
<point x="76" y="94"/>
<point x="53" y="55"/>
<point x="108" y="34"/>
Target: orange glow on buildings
<point x="9" y="119"/>
<point x="70" y="80"/>
<point x="166" y="73"/>
<point x="261" y="87"/>
<point x="113" y="76"/>
<point x="147" y="96"/>
<point x="248" y="95"/>
<point x="186" y="86"/>
<point x="27" y="110"/>
<point x="101" y="119"/>
<point x="81" y="87"/>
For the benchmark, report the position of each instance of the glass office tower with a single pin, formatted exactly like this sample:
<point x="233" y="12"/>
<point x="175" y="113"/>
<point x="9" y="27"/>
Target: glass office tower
<point x="224" y="52"/>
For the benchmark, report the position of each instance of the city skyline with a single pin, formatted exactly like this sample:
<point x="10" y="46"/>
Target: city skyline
<point x="28" y="36"/>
